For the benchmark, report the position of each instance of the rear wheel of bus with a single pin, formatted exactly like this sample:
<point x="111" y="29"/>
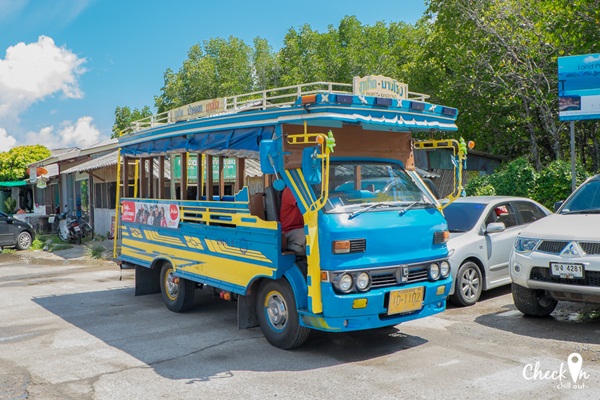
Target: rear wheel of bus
<point x="177" y="293"/>
<point x="278" y="315"/>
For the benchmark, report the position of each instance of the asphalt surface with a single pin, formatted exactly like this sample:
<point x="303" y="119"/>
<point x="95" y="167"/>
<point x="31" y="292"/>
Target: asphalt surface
<point x="71" y="328"/>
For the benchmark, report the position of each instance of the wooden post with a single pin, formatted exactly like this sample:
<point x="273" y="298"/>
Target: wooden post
<point x="184" y="174"/>
<point x="240" y="174"/>
<point x="173" y="189"/>
<point x="151" y="193"/>
<point x="125" y="176"/>
<point x="221" y="176"/>
<point x="209" y="177"/>
<point x="161" y="177"/>
<point x="199" y="176"/>
<point x="143" y="188"/>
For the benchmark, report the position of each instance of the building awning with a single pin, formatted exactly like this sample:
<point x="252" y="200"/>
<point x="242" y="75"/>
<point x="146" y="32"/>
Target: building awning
<point x="107" y="160"/>
<point x="13" y="183"/>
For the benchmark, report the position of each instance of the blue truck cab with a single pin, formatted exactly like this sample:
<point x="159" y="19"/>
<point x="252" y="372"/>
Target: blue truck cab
<point x="376" y="251"/>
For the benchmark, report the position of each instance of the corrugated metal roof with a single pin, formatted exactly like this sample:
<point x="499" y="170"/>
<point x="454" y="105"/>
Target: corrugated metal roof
<point x="97" y="163"/>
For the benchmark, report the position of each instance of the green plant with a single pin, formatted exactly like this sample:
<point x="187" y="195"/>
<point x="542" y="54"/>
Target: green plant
<point x="11" y="205"/>
<point x="517" y="178"/>
<point x="96" y="251"/>
<point x="8" y="251"/>
<point x="480" y="186"/>
<point x="554" y="182"/>
<point x="59" y="246"/>
<point x="37" y="244"/>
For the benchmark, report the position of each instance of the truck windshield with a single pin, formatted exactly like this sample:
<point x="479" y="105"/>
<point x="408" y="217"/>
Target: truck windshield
<point x="372" y="187"/>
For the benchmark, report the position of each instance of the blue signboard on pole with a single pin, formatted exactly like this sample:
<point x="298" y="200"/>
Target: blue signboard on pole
<point x="579" y="87"/>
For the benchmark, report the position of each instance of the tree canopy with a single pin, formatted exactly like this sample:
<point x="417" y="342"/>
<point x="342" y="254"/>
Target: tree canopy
<point x="13" y="163"/>
<point x="494" y="60"/>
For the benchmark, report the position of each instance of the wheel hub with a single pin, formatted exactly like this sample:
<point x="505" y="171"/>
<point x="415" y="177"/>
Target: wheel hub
<point x="172" y="287"/>
<point x="277" y="310"/>
<point x="470" y="283"/>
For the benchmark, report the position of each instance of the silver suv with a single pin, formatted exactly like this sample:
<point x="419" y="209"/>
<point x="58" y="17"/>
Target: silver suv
<point x="558" y="257"/>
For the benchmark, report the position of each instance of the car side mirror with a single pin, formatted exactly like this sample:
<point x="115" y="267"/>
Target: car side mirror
<point x="557" y="205"/>
<point x="495" y="227"/>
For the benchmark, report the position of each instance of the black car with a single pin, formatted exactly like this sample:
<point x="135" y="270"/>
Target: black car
<point x="15" y="233"/>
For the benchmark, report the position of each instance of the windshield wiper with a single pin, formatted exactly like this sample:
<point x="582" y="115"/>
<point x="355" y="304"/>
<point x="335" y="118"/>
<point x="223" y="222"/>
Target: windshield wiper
<point x="408" y="207"/>
<point x="365" y="209"/>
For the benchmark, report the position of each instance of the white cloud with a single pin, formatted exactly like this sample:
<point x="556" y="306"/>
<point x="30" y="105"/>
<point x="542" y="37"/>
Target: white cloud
<point x="81" y="134"/>
<point x="31" y="72"/>
<point x="7" y="142"/>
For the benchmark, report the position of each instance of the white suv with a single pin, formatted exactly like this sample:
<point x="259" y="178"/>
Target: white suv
<point x="558" y="257"/>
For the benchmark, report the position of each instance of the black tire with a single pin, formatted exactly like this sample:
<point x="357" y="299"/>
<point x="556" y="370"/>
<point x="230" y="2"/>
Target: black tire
<point x="277" y="315"/>
<point x="178" y="297"/>
<point x="78" y="238"/>
<point x="24" y="240"/>
<point x="468" y="285"/>
<point x="534" y="303"/>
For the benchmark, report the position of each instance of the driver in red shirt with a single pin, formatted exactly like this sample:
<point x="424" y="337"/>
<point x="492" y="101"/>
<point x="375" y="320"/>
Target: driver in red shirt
<point x="292" y="223"/>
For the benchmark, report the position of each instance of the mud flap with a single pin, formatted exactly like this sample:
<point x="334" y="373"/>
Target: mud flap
<point x="147" y="281"/>
<point x="246" y="311"/>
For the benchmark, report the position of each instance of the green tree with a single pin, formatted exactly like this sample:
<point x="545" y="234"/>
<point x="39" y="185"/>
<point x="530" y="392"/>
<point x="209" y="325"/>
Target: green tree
<point x="13" y="163"/>
<point x="124" y="116"/>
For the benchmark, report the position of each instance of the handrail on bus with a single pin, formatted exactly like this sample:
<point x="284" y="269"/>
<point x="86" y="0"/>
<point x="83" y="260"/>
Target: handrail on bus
<point x="260" y="100"/>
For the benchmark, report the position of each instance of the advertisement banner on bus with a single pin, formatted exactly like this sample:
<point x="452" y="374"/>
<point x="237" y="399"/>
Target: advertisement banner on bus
<point x="163" y="215"/>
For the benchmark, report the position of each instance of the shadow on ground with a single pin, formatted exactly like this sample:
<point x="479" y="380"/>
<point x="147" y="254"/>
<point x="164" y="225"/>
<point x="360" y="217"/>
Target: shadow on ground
<point x="205" y="343"/>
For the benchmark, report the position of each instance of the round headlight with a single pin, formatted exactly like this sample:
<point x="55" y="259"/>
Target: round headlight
<point x="434" y="272"/>
<point x="444" y="269"/>
<point x="363" y="280"/>
<point x="345" y="282"/>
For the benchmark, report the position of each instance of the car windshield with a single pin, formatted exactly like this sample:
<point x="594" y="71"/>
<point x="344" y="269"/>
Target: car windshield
<point x="361" y="187"/>
<point x="586" y="199"/>
<point x="462" y="217"/>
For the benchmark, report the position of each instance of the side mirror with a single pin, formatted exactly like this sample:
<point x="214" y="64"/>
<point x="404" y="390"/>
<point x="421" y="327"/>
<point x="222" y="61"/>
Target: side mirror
<point x="267" y="150"/>
<point x="495" y="227"/>
<point x="557" y="205"/>
<point x="311" y="165"/>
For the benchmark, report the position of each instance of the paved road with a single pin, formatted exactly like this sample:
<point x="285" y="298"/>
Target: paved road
<point x="72" y="329"/>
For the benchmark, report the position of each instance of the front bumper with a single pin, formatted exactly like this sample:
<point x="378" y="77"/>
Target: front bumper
<point x="358" y="311"/>
<point x="532" y="270"/>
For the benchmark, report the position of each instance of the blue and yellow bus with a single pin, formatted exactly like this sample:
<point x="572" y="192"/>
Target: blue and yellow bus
<point x="375" y="236"/>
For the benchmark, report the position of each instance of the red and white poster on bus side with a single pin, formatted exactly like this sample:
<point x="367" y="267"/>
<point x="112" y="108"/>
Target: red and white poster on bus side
<point x="163" y="215"/>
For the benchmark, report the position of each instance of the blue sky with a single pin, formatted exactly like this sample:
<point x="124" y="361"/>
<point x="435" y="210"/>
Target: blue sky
<point x="65" y="65"/>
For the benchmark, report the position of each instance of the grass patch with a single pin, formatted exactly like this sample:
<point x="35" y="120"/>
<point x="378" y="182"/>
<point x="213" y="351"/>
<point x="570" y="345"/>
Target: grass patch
<point x="59" y="246"/>
<point x="96" y="251"/>
<point x="590" y="315"/>
<point x="37" y="244"/>
<point x="8" y="251"/>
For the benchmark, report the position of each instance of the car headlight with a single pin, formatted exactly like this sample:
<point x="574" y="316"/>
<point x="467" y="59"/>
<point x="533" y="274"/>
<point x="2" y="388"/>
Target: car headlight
<point x="363" y="281"/>
<point x="434" y="272"/>
<point x="525" y="245"/>
<point x="444" y="269"/>
<point x="345" y="282"/>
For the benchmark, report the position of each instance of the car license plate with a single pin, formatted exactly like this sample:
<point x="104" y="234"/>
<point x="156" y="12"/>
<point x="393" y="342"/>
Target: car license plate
<point x="565" y="270"/>
<point x="76" y="228"/>
<point x="405" y="300"/>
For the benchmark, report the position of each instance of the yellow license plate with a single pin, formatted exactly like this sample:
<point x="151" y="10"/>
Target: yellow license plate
<point x="405" y="300"/>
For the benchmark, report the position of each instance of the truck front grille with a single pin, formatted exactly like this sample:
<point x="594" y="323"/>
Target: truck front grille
<point x="542" y="274"/>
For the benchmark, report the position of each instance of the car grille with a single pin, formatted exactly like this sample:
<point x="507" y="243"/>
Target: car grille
<point x="551" y="246"/>
<point x="557" y="246"/>
<point x="542" y="274"/>
<point x="590" y="247"/>
<point x="358" y="245"/>
<point x="393" y="276"/>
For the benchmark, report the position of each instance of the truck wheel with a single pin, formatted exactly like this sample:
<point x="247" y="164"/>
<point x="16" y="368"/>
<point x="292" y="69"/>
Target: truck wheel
<point x="277" y="315"/>
<point x="177" y="293"/>
<point x="24" y="240"/>
<point x="534" y="303"/>
<point x="467" y="285"/>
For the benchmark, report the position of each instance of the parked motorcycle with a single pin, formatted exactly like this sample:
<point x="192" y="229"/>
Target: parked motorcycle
<point x="68" y="228"/>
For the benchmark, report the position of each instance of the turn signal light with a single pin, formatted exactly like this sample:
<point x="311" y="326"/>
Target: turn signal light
<point x="341" y="247"/>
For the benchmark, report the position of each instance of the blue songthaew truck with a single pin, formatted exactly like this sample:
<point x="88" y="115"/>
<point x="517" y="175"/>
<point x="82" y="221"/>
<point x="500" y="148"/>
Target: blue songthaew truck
<point x="199" y="197"/>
